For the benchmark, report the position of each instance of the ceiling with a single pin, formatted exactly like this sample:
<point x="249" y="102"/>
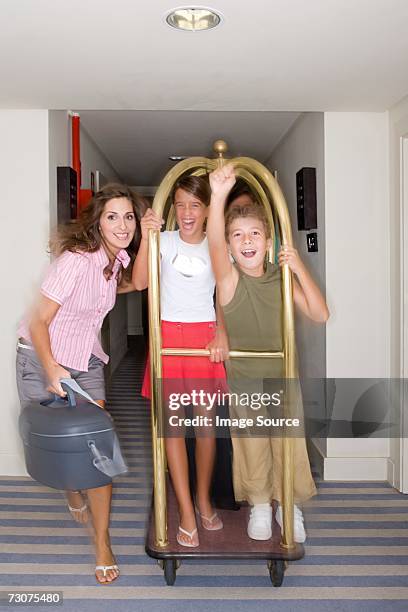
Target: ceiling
<point x="267" y="56"/>
<point x="139" y="143"/>
<point x="286" y="55"/>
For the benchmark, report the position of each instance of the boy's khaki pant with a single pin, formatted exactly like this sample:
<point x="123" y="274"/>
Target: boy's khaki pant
<point x="257" y="461"/>
<point x="258" y="470"/>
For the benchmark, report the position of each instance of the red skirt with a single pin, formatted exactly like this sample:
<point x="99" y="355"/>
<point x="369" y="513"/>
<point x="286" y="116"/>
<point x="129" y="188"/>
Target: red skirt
<point x="186" y="370"/>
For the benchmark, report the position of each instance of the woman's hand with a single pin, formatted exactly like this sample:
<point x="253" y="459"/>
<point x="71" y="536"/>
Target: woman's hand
<point x="218" y="347"/>
<point x="54" y="374"/>
<point x="222" y="181"/>
<point x="150" y="220"/>
<point x="288" y="255"/>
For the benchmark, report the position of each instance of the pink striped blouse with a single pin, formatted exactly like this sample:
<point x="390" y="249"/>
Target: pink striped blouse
<point x="76" y="282"/>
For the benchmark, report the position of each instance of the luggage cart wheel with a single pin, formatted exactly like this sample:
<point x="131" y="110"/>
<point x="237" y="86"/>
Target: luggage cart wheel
<point x="276" y="571"/>
<point x="170" y="567"/>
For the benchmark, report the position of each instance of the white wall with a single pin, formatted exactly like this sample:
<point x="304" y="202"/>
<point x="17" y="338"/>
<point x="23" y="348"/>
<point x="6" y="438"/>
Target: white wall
<point x="398" y="124"/>
<point x="24" y="217"/>
<point x="357" y="275"/>
<point x="350" y="153"/>
<point x="92" y="158"/>
<point x="303" y="146"/>
<point x="357" y="244"/>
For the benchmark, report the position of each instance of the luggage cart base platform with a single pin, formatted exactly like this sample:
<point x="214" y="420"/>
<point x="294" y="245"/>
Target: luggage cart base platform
<point x="231" y="542"/>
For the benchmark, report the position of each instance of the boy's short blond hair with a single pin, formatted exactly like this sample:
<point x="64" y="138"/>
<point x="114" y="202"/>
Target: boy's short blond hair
<point x="254" y="210"/>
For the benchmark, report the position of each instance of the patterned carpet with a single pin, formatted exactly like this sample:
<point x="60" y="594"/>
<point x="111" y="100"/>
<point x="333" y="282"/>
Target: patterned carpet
<point x="356" y="552"/>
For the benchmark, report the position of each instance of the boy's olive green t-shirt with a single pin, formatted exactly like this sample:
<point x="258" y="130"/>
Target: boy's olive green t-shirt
<point x="253" y="320"/>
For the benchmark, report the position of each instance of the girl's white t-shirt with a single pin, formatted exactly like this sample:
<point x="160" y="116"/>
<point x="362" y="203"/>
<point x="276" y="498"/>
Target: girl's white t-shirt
<point x="186" y="279"/>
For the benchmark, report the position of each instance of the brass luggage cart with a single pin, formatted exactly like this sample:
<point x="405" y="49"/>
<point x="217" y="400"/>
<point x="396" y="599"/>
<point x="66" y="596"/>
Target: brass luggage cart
<point x="161" y="541"/>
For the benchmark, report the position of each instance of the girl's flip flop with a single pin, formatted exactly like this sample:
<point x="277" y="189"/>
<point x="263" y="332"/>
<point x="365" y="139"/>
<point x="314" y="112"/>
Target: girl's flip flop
<point x="214" y="523"/>
<point x="192" y="535"/>
<point x="105" y="569"/>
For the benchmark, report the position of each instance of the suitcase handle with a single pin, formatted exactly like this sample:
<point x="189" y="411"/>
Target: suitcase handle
<point x="70" y="393"/>
<point x="71" y="387"/>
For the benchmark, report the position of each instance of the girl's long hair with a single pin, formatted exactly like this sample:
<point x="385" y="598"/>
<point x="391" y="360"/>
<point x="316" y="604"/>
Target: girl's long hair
<point x="83" y="234"/>
<point x="198" y="186"/>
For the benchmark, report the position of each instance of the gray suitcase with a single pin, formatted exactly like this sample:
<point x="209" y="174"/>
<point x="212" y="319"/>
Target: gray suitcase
<point x="70" y="445"/>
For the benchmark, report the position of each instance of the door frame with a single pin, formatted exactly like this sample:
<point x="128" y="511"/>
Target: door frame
<point x="403" y="446"/>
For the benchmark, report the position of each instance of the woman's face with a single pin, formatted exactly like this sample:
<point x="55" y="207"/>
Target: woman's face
<point x="190" y="215"/>
<point x="248" y="244"/>
<point x="117" y="224"/>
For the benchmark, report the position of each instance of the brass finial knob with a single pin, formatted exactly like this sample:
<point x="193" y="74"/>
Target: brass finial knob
<point x="220" y="147"/>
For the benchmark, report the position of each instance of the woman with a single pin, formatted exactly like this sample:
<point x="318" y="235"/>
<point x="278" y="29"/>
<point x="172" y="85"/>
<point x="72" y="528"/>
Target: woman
<point x="59" y="337"/>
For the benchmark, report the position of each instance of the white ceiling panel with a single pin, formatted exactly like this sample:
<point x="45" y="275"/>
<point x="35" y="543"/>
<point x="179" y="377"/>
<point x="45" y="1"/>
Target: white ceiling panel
<point x="286" y="55"/>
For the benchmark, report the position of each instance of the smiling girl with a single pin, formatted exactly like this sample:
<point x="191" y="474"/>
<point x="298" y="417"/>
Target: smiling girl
<point x="189" y="321"/>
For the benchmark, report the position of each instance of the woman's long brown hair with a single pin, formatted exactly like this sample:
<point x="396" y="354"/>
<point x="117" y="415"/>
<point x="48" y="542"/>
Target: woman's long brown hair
<point x="83" y="234"/>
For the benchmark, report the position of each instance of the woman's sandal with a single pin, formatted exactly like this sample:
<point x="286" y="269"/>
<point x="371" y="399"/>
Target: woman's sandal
<point x="192" y="535"/>
<point x="214" y="523"/>
<point x="78" y="514"/>
<point x="105" y="569"/>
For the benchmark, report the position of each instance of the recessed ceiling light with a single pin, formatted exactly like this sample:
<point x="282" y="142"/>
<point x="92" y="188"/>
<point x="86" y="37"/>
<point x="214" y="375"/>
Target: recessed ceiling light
<point x="177" y="157"/>
<point x="193" y="18"/>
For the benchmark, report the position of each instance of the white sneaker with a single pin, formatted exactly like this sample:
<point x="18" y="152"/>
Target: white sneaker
<point x="299" y="533"/>
<point x="260" y="522"/>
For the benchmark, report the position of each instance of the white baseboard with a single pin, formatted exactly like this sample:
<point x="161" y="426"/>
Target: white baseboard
<point x="355" y="468"/>
<point x="12" y="465"/>
<point x="350" y="468"/>
<point x="316" y="457"/>
<point x="391" y="473"/>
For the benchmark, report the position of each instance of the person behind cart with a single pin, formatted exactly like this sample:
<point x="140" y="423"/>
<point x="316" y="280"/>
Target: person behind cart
<point x="58" y="338"/>
<point x="249" y="292"/>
